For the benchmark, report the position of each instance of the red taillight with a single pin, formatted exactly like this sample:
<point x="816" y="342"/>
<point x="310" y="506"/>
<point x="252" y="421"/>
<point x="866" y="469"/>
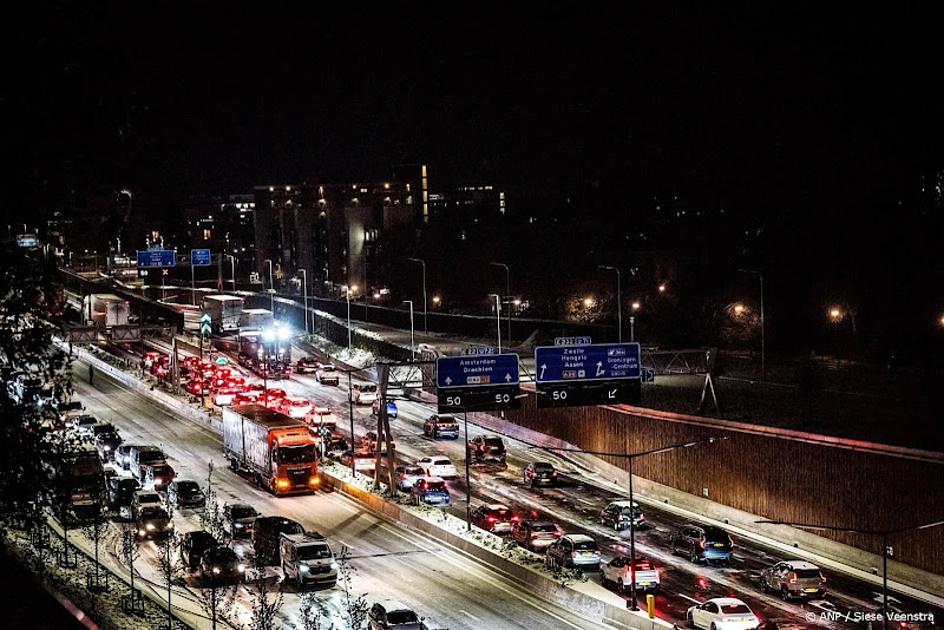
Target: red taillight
<point x="515" y="519"/>
<point x="491" y="519"/>
<point x="573" y="554"/>
<point x="793" y="578"/>
<point x="702" y="583"/>
<point x="701" y="543"/>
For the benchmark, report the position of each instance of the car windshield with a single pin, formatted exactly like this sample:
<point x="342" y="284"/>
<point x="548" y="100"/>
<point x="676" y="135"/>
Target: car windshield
<point x="127" y="484"/>
<point x="586" y="545"/>
<point x="808" y="573"/>
<point x="188" y="487"/>
<point x="494" y="443"/>
<point x="296" y="454"/>
<point x="500" y="513"/>
<point x="101" y="429"/>
<point x="543" y="466"/>
<point x="735" y="609"/>
<point x="442" y="462"/>
<point x="220" y="554"/>
<point x="162" y="471"/>
<point x="543" y="527"/>
<point x="327" y="368"/>
<point x="435" y="485"/>
<point x="150" y="456"/>
<point x="717" y="535"/>
<point x="412" y="470"/>
<point x="151" y="497"/>
<point x="395" y="617"/>
<point x="243" y="511"/>
<point x="153" y="512"/>
<point x="314" y="552"/>
<point x="446" y="419"/>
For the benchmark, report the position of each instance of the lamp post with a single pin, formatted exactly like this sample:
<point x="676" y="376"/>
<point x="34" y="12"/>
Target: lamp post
<point x="305" y="287"/>
<point x="423" y="263"/>
<point x="347" y="292"/>
<point x="232" y="270"/>
<point x="497" y="318"/>
<point x="884" y="533"/>
<point x="350" y="405"/>
<point x="633" y="605"/>
<point x="507" y="290"/>
<point x="412" y="337"/>
<point x="763" y="332"/>
<point x="635" y="306"/>
<point x="619" y="301"/>
<point x="271" y="288"/>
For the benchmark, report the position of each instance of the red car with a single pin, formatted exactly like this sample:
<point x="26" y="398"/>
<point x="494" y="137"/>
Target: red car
<point x="245" y="398"/>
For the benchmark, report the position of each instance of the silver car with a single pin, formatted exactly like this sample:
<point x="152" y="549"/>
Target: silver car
<point x="793" y="579"/>
<point x="574" y="550"/>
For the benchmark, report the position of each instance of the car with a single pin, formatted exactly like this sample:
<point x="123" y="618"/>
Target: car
<point x="143" y="456"/>
<point x="574" y="550"/>
<point x="407" y="476"/>
<point x="487" y="448"/>
<point x="158" y="476"/>
<point x="107" y="443"/>
<point x="535" y="535"/>
<point x="245" y="397"/>
<point x="123" y="455"/>
<point x="144" y="498"/>
<point x="239" y="519"/>
<point x="327" y="374"/>
<point x="619" y="571"/>
<point x="272" y="398"/>
<point x="617" y="515"/>
<point x="307" y="365"/>
<point x="266" y="532"/>
<point x="539" y="474"/>
<point x="363" y="393"/>
<point x="391" y="409"/>
<point x="370" y="443"/>
<point x="703" y="544"/>
<point x="185" y="494"/>
<point x="307" y="558"/>
<point x="438" y="466"/>
<point x="153" y="522"/>
<point x="722" y="613"/>
<point x="294" y="407"/>
<point x="192" y="547"/>
<point x="82" y="425"/>
<point x="495" y="518"/>
<point x="196" y="387"/>
<point x="793" y="579"/>
<point x="226" y="395"/>
<point x="441" y="425"/>
<point x="393" y="615"/>
<point x="430" y="491"/>
<point x="361" y="460"/>
<point x="120" y="493"/>
<point x="220" y="566"/>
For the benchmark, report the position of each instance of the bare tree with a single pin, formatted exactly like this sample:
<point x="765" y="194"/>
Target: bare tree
<point x="211" y="517"/>
<point x="94" y="532"/>
<point x="170" y="566"/>
<point x="130" y="552"/>
<point x="265" y="610"/>
<point x="355" y="606"/>
<point x="312" y="612"/>
<point x="219" y="603"/>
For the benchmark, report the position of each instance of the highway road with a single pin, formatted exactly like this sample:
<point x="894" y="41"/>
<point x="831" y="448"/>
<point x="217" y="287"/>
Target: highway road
<point x="389" y="561"/>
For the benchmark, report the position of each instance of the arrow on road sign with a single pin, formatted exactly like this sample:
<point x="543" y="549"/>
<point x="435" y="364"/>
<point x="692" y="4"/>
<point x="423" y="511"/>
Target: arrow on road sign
<point x="600" y="369"/>
<point x="611" y="394"/>
<point x="507" y="377"/>
<point x="205" y="318"/>
<point x="543" y="368"/>
<point x="448" y="381"/>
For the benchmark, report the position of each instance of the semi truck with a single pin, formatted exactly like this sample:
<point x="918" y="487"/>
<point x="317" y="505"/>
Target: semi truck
<point x="224" y="311"/>
<point x="277" y="452"/>
<point x="265" y="354"/>
<point x="80" y="484"/>
<point x="105" y="310"/>
<point x="255" y="319"/>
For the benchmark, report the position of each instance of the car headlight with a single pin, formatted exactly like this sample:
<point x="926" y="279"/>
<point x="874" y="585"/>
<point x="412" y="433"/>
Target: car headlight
<point x="241" y="568"/>
<point x="107" y="448"/>
<point x="334" y="566"/>
<point x="216" y="570"/>
<point x="149" y="527"/>
<point x="238" y="525"/>
<point x="169" y="526"/>
<point x="303" y="568"/>
<point x="141" y="532"/>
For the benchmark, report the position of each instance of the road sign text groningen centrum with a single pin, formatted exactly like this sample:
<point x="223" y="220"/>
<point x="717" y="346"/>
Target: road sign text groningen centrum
<point x="598" y="362"/>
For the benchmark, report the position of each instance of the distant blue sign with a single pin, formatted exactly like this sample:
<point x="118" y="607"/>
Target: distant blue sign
<point x="572" y="341"/>
<point x="27" y="240"/>
<point x="648" y="375"/>
<point x="155" y="258"/>
<point x="477" y="371"/>
<point x="479" y="350"/>
<point x="200" y="257"/>
<point x="597" y="362"/>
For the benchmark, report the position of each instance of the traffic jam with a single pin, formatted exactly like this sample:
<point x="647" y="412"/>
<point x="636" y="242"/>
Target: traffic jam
<point x="696" y="571"/>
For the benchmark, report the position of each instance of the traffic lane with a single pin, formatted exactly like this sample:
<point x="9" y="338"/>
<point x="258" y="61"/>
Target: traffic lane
<point x="380" y="550"/>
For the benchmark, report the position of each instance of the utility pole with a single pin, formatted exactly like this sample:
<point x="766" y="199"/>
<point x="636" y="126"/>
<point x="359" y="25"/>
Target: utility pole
<point x="507" y="291"/>
<point x="425" y="320"/>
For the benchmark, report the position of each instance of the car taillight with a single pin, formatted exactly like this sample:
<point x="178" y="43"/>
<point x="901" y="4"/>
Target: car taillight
<point x="822" y="579"/>
<point x="515" y="519"/>
<point x="793" y="578"/>
<point x="491" y="519"/>
<point x="573" y="554"/>
<point x="701" y="543"/>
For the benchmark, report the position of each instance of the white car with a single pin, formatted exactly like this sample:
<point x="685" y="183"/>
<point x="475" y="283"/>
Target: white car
<point x="438" y="466"/>
<point x="723" y="613"/>
<point x="296" y="407"/>
<point x="618" y="571"/>
<point x="363" y="393"/>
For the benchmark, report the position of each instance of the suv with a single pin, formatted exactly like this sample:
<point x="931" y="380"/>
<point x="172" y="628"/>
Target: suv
<point x="618" y="513"/>
<point x="619" y="571"/>
<point x="158" y="476"/>
<point x="307" y="365"/>
<point x="496" y="518"/>
<point x="144" y="498"/>
<point x="407" y="476"/>
<point x="220" y="566"/>
<point x="574" y="550"/>
<point x="121" y="491"/>
<point x="107" y="441"/>
<point x="307" y="558"/>
<point x="327" y="375"/>
<point x="142" y="456"/>
<point x="487" y="448"/>
<point x="430" y="491"/>
<point x="185" y="494"/>
<point x="441" y="426"/>
<point x="240" y="519"/>
<point x="266" y="532"/>
<point x="123" y="455"/>
<point x="793" y="579"/>
<point x="535" y="535"/>
<point x="153" y="522"/>
<point x="709" y="544"/>
<point x="540" y="474"/>
<point x="193" y="546"/>
<point x="393" y="615"/>
<point x="392" y="410"/>
<point x="363" y="393"/>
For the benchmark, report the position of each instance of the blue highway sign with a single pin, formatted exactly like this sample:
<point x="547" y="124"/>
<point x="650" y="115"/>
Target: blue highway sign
<point x="477" y="370"/>
<point x="648" y="375"/>
<point x="200" y="257"/>
<point x="597" y="362"/>
<point x="153" y="258"/>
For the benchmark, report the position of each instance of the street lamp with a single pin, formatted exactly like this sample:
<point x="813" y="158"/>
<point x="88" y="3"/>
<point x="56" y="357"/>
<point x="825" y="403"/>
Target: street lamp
<point x="423" y="264"/>
<point x="635" y="306"/>
<point x="763" y="331"/>
<point x="632" y="510"/>
<point x="437" y="300"/>
<point x="884" y="533"/>
<point x="232" y="269"/>
<point x="507" y="289"/>
<point x="271" y="288"/>
<point x="412" y="338"/>
<point x="588" y="302"/>
<point x="662" y="287"/>
<point x="305" y="286"/>
<point x="497" y="317"/>
<point x="619" y="300"/>
<point x="738" y="309"/>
